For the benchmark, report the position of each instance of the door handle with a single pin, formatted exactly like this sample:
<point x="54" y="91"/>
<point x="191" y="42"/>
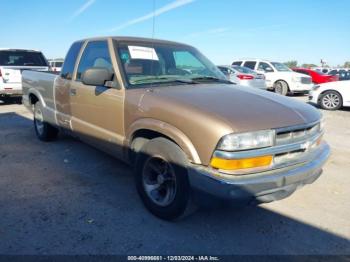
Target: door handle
<point x="73" y="92"/>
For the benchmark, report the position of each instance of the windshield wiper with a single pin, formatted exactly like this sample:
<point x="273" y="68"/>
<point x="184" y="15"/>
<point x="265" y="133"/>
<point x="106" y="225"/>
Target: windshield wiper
<point x="211" y="78"/>
<point x="168" y="80"/>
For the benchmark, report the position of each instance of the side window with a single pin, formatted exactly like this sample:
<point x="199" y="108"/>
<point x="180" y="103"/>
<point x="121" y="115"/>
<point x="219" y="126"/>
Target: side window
<point x="250" y="64"/>
<point x="96" y="54"/>
<point x="303" y="72"/>
<point x="237" y="63"/>
<point x="265" y="67"/>
<point x="71" y="58"/>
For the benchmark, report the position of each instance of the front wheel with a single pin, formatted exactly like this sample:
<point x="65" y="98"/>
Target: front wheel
<point x="162" y="180"/>
<point x="331" y="100"/>
<point x="43" y="130"/>
<point x="281" y="88"/>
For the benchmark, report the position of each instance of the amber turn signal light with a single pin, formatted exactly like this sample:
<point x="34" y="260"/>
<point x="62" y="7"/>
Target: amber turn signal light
<point x="235" y="164"/>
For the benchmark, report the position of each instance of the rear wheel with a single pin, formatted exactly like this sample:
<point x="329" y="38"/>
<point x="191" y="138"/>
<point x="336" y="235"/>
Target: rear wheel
<point x="43" y="130"/>
<point x="281" y="88"/>
<point x="331" y="100"/>
<point x="162" y="180"/>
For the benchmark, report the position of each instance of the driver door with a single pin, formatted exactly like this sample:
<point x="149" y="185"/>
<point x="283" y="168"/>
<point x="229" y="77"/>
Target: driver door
<point x="97" y="111"/>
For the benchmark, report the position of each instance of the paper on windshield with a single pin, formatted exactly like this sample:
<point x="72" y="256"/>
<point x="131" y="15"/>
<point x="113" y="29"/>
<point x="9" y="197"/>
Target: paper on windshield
<point x="141" y="52"/>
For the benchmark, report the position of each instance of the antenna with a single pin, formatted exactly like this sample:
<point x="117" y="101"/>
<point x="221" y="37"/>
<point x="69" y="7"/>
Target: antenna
<point x="154" y="18"/>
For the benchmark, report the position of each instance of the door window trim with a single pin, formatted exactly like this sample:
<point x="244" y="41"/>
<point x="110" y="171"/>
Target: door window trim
<point x="84" y="46"/>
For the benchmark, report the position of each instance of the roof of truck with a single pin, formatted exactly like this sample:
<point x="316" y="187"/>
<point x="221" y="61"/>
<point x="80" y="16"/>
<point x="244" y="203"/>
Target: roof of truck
<point x="18" y="49"/>
<point x="134" y="39"/>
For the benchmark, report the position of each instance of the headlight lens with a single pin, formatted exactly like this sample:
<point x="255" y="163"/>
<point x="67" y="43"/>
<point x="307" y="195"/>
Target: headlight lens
<point x="244" y="141"/>
<point x="322" y="124"/>
<point x="296" y="79"/>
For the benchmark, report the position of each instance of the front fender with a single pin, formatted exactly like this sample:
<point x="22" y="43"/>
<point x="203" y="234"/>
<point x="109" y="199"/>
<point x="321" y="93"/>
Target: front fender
<point x="168" y="130"/>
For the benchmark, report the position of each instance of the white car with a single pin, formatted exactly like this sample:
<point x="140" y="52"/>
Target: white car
<point x="244" y="76"/>
<point x="332" y="95"/>
<point x="12" y="63"/>
<point x="56" y="65"/>
<point x="279" y="77"/>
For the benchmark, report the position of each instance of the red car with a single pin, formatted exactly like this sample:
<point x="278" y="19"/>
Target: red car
<point x="317" y="77"/>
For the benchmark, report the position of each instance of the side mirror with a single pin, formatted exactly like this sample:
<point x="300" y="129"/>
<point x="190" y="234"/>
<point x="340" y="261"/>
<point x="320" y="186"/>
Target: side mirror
<point x="96" y="76"/>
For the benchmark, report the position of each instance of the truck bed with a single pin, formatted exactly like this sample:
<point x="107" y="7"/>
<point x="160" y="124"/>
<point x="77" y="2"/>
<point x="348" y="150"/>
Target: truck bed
<point x="41" y="83"/>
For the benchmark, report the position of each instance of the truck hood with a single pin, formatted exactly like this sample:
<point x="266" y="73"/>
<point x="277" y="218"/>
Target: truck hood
<point x="241" y="108"/>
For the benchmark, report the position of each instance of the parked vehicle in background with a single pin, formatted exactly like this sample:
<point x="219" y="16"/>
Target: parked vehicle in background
<point x="317" y="77"/>
<point x="279" y="77"/>
<point x="12" y="63"/>
<point x="324" y="70"/>
<point x="172" y="115"/>
<point x="343" y="74"/>
<point x="332" y="95"/>
<point x="56" y="65"/>
<point x="244" y="76"/>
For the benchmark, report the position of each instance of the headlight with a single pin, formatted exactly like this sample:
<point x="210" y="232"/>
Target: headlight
<point x="296" y="78"/>
<point x="244" y="141"/>
<point x="322" y="124"/>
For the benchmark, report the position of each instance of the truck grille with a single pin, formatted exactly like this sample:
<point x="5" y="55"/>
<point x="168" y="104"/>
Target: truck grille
<point x="296" y="135"/>
<point x="306" y="80"/>
<point x="308" y="138"/>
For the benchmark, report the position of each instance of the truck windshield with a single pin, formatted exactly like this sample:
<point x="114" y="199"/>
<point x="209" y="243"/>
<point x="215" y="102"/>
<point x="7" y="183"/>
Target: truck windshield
<point x="22" y="58"/>
<point x="281" y="67"/>
<point x="163" y="64"/>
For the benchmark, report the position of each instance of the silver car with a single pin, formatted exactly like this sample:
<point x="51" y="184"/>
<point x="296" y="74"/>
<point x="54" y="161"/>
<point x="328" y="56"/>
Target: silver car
<point x="244" y="76"/>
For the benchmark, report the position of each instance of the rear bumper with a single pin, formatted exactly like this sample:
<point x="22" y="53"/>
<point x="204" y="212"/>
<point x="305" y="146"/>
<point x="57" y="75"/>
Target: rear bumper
<point x="261" y="187"/>
<point x="10" y="92"/>
<point x="10" y="89"/>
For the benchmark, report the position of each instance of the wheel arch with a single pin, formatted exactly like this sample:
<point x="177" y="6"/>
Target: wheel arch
<point x="35" y="96"/>
<point x="333" y="90"/>
<point x="282" y="80"/>
<point x="152" y="128"/>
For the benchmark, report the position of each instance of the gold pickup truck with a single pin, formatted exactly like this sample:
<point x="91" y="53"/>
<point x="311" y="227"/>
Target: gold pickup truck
<point x="187" y="131"/>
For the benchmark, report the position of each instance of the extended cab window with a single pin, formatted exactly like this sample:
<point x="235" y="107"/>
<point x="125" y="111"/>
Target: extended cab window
<point x="96" y="54"/>
<point x="250" y="64"/>
<point x="69" y="62"/>
<point x="237" y="63"/>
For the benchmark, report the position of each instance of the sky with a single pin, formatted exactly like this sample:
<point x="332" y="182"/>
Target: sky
<point x="224" y="30"/>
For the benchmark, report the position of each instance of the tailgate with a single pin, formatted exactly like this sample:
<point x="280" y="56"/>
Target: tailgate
<point x="11" y="75"/>
<point x="14" y="74"/>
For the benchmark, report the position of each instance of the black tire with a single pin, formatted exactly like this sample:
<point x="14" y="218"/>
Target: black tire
<point x="330" y="100"/>
<point x="158" y="201"/>
<point x="43" y="130"/>
<point x="281" y="87"/>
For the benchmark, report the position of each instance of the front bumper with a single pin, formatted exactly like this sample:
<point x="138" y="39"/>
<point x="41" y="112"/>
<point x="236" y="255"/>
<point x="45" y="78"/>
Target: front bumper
<point x="300" y="87"/>
<point x="313" y="97"/>
<point x="262" y="187"/>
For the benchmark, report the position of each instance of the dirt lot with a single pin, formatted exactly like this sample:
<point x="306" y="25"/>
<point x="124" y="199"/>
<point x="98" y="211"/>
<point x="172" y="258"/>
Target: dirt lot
<point x="68" y="198"/>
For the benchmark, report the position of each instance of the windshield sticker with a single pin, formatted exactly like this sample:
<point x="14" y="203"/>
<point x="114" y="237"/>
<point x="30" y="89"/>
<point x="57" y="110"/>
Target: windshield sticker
<point x="140" y="52"/>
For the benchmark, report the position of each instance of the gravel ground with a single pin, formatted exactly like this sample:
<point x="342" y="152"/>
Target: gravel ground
<point x="68" y="198"/>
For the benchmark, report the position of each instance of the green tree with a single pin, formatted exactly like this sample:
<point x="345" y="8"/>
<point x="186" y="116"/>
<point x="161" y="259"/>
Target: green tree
<point x="291" y="64"/>
<point x="347" y="64"/>
<point x="308" y="65"/>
